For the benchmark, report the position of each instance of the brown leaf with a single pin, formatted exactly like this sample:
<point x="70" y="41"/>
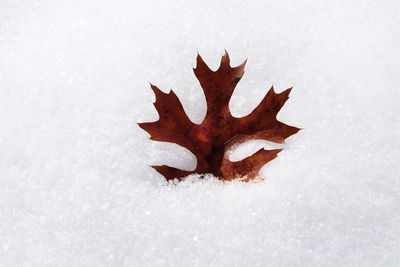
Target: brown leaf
<point x="213" y="138"/>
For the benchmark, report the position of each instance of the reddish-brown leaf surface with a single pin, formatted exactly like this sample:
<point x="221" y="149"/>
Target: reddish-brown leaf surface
<point x="211" y="140"/>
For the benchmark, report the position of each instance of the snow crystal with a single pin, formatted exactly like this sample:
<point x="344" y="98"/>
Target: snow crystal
<point x="76" y="188"/>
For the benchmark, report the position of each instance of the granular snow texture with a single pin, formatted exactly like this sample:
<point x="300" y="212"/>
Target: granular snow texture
<point x="75" y="185"/>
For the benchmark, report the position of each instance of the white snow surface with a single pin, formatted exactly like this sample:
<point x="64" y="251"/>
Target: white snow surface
<point x="76" y="188"/>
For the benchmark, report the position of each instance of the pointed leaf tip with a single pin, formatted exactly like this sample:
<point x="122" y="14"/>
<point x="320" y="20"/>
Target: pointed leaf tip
<point x="225" y="60"/>
<point x="243" y="64"/>
<point x="272" y="89"/>
<point x="287" y="91"/>
<point x="170" y="173"/>
<point x="201" y="66"/>
<point x="238" y="71"/>
<point x="199" y="61"/>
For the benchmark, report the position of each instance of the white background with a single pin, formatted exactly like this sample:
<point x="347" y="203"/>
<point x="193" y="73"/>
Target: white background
<point x="75" y="186"/>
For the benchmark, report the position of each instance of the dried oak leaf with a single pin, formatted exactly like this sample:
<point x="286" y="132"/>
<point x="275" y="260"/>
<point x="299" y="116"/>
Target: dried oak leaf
<point x="211" y="140"/>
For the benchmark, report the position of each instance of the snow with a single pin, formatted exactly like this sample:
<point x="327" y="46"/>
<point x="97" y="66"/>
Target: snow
<point x="75" y="186"/>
